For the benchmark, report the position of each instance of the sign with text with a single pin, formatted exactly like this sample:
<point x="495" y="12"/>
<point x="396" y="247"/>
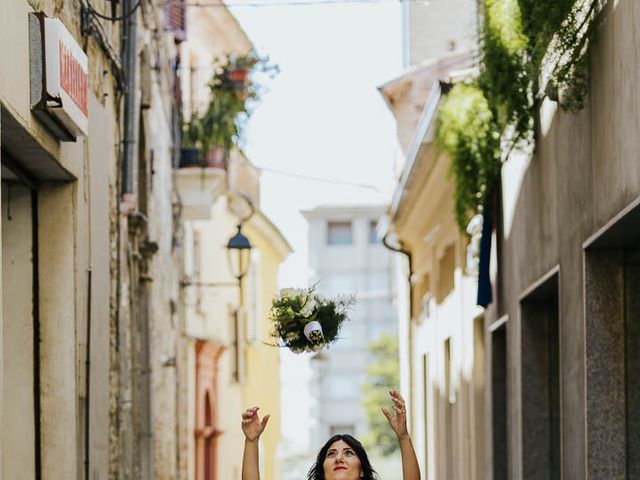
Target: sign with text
<point x="60" y="86"/>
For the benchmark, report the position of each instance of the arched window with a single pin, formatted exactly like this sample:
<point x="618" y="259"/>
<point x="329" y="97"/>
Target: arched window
<point x="206" y="432"/>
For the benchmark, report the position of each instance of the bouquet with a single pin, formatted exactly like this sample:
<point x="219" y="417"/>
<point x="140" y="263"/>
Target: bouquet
<point x="304" y="321"/>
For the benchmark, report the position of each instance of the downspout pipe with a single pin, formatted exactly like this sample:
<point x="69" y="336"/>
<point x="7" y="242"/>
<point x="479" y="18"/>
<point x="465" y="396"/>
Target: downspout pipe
<point x="129" y="62"/>
<point x="407" y="254"/>
<point x="87" y="379"/>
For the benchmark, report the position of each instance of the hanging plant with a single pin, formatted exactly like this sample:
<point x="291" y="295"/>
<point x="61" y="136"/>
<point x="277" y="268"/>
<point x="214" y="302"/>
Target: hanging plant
<point x="467" y="132"/>
<point x="529" y="49"/>
<point x="233" y="94"/>
<point x="503" y="77"/>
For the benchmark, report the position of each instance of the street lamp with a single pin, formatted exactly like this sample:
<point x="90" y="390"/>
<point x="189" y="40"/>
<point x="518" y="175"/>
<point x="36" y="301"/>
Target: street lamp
<point x="239" y="256"/>
<point x="239" y="259"/>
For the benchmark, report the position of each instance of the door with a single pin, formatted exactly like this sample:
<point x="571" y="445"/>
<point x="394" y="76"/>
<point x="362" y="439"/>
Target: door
<point x="19" y="330"/>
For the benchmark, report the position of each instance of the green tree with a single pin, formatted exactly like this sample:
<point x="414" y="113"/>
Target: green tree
<point x="383" y="374"/>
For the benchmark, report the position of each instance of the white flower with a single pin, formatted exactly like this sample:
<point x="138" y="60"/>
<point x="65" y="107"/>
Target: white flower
<point x="290" y="292"/>
<point x="308" y="307"/>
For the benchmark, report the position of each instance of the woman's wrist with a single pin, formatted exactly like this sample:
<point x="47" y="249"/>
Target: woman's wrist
<point x="249" y="441"/>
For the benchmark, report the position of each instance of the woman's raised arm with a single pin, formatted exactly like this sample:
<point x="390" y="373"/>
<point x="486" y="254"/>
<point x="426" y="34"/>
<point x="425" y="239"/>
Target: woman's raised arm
<point x="252" y="428"/>
<point x="410" y="468"/>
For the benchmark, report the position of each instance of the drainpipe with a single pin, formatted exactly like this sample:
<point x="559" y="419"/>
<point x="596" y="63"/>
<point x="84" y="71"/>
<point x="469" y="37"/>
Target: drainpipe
<point x="129" y="62"/>
<point x="406" y="253"/>
<point x="35" y="272"/>
<point x="87" y="363"/>
<point x="128" y="426"/>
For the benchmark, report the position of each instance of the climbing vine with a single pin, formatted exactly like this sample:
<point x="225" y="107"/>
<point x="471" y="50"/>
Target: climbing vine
<point x="467" y="130"/>
<point x="529" y="49"/>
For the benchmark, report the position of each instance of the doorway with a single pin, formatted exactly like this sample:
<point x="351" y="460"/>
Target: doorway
<point x="20" y="325"/>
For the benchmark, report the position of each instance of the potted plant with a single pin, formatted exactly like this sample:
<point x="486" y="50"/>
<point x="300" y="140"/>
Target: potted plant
<point x="209" y="136"/>
<point x="201" y="144"/>
<point x="238" y="69"/>
<point x="189" y="152"/>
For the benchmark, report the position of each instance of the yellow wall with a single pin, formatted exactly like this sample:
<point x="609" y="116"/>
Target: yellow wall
<point x="262" y="386"/>
<point x="208" y="316"/>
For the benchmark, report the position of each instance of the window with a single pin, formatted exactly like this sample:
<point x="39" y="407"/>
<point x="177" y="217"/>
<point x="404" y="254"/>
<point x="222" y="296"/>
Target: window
<point x="446" y="277"/>
<point x="341" y="429"/>
<point x="377" y="281"/>
<point x="336" y="283"/>
<point x="255" y="299"/>
<point x="448" y="411"/>
<point x="197" y="268"/>
<point x="343" y="386"/>
<point x="339" y="233"/>
<point x="425" y="412"/>
<point x="177" y="19"/>
<point x="373" y="233"/>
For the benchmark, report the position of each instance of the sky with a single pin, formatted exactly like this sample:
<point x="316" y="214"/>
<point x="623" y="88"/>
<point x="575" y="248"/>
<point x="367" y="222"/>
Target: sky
<point x="321" y="117"/>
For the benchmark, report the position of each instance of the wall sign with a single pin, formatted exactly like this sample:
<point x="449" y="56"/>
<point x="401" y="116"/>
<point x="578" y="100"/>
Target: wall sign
<point x="59" y="78"/>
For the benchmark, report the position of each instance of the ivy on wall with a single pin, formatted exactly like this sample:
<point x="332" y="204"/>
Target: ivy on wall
<point x="467" y="130"/>
<point x="529" y="49"/>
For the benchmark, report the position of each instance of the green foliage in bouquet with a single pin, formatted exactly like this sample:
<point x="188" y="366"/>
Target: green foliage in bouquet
<point x="304" y="321"/>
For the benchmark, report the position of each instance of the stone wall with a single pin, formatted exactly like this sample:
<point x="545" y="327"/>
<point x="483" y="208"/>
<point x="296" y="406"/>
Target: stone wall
<point x="585" y="172"/>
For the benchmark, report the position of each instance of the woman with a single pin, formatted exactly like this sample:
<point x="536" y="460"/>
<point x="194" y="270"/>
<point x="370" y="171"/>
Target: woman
<point x="342" y="457"/>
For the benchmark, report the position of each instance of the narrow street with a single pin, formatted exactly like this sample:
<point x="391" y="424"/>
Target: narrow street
<point x="319" y="239"/>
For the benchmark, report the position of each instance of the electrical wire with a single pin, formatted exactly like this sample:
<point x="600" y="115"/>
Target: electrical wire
<point x="320" y="179"/>
<point x="114" y="19"/>
<point x="298" y="3"/>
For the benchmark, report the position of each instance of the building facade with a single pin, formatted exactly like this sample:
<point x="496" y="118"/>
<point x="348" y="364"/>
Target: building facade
<point x="440" y="344"/>
<point x="347" y="257"/>
<point x="106" y="370"/>
<point x="441" y="339"/>
<point x="86" y="194"/>
<point x="541" y="383"/>
<point x="225" y="362"/>
<point x="562" y="328"/>
<point x="431" y="29"/>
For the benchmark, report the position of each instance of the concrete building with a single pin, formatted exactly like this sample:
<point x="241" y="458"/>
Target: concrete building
<point x="347" y="257"/>
<point x="563" y="328"/>
<point x="433" y="28"/>
<point x="86" y="244"/>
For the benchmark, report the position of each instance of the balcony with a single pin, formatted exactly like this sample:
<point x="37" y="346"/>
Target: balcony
<point x="199" y="183"/>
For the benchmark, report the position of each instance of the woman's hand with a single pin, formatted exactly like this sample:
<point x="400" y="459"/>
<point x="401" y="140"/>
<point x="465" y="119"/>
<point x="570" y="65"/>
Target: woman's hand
<point x="410" y="468"/>
<point x="251" y="424"/>
<point x="399" y="422"/>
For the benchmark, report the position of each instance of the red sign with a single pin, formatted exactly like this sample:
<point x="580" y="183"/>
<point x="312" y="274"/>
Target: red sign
<point x="73" y="78"/>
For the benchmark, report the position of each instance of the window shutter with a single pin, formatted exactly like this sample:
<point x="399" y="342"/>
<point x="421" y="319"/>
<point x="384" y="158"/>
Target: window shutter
<point x="176" y="14"/>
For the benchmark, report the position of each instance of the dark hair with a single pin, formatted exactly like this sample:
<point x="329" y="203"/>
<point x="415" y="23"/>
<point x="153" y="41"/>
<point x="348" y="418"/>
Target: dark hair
<point x="317" y="470"/>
